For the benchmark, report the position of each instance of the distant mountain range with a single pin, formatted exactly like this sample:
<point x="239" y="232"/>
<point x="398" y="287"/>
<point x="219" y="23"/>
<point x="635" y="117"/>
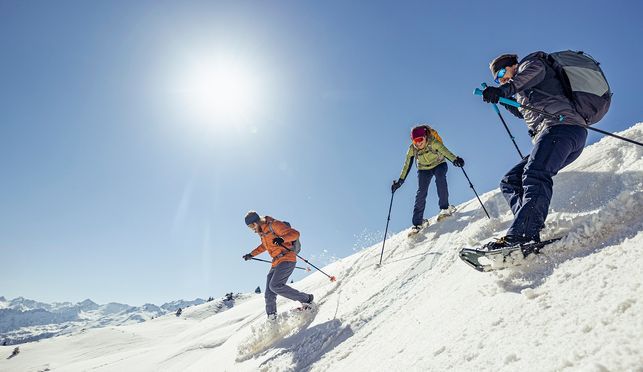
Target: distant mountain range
<point x="24" y="320"/>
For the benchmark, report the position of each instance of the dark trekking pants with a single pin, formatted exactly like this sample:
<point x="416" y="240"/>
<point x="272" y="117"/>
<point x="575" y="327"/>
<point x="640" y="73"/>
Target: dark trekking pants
<point x="424" y="178"/>
<point x="527" y="187"/>
<point x="276" y="285"/>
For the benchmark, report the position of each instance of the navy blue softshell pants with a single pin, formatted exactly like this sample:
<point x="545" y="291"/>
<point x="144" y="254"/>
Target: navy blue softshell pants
<point x="527" y="187"/>
<point x="424" y="178"/>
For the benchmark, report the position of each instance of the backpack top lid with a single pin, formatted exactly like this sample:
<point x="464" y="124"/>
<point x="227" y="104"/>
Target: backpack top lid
<point x="582" y="71"/>
<point x="584" y="83"/>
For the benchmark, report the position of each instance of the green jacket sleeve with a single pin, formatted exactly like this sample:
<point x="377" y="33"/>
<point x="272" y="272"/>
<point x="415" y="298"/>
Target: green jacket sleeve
<point x="439" y="147"/>
<point x="410" y="154"/>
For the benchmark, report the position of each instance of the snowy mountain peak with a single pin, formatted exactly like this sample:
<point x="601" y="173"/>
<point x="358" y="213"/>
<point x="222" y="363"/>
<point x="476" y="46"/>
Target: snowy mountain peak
<point x="88" y="305"/>
<point x="175" y="305"/>
<point x="25" y="304"/>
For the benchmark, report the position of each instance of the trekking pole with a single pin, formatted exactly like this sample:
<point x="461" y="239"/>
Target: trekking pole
<point x="332" y="278"/>
<point x="513" y="103"/>
<point x="513" y="139"/>
<point x="474" y="191"/>
<point x="386" y="230"/>
<point x="296" y="267"/>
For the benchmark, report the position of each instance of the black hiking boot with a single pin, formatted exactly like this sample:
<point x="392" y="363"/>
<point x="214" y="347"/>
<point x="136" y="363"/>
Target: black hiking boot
<point x="419" y="227"/>
<point x="509" y="241"/>
<point x="308" y="304"/>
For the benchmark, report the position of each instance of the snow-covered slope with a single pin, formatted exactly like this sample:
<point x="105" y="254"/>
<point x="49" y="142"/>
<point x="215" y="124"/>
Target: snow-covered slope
<point x="24" y="320"/>
<point x="578" y="306"/>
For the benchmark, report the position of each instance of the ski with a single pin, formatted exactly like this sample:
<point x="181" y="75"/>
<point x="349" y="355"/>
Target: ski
<point x="472" y="256"/>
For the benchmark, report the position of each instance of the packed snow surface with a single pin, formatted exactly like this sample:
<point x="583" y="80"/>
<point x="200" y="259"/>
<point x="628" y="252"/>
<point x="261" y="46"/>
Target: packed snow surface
<point x="577" y="306"/>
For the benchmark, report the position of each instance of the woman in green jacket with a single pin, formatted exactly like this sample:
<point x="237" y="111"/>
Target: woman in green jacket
<point x="431" y="155"/>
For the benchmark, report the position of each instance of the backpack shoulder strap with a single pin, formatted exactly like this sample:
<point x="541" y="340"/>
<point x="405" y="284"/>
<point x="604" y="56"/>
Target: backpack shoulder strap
<point x="415" y="158"/>
<point x="270" y="228"/>
<point x="543" y="92"/>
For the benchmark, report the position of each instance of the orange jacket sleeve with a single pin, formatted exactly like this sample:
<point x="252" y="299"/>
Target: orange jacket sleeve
<point x="260" y="249"/>
<point x="288" y="234"/>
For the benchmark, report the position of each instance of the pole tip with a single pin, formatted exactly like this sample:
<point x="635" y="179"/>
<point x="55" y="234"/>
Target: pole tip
<point x="333" y="279"/>
<point x="308" y="268"/>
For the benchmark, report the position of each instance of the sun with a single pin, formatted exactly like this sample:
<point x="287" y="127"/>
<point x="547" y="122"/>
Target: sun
<point x="218" y="90"/>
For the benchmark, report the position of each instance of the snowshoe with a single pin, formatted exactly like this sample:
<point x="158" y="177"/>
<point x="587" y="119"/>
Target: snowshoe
<point x="503" y="257"/>
<point x="417" y="228"/>
<point x="444" y="213"/>
<point x="308" y="304"/>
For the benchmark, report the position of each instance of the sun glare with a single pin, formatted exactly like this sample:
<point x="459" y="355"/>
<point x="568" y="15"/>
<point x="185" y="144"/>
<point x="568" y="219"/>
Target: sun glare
<point x="218" y="91"/>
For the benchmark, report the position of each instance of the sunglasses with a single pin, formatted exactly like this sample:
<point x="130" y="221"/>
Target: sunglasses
<point x="501" y="73"/>
<point x="418" y="139"/>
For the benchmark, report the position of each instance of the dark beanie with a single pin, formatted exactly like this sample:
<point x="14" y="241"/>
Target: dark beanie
<point x="252" y="217"/>
<point x="502" y="61"/>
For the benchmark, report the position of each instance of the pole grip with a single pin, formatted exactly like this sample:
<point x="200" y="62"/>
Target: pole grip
<point x="495" y="107"/>
<point x="509" y="102"/>
<point x="506" y="101"/>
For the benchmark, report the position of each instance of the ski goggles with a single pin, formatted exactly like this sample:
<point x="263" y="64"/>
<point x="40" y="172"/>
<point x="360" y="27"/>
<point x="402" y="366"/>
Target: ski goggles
<point x="500" y="74"/>
<point x="418" y="139"/>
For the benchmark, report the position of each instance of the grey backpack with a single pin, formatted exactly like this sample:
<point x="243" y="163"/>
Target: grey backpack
<point x="296" y="244"/>
<point x="584" y="83"/>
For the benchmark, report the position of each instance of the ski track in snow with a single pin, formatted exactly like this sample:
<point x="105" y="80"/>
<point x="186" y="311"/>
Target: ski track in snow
<point x="577" y="306"/>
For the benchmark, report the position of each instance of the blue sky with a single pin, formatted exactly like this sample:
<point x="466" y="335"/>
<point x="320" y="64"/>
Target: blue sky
<point x="118" y="186"/>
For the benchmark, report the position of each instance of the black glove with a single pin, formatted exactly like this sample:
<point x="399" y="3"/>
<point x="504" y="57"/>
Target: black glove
<point x="396" y="185"/>
<point x="247" y="256"/>
<point x="278" y="241"/>
<point x="458" y="162"/>
<point x="491" y="94"/>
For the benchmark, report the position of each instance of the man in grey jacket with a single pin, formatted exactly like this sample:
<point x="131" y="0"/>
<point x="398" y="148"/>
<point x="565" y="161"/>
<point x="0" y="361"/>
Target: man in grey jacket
<point x="527" y="187"/>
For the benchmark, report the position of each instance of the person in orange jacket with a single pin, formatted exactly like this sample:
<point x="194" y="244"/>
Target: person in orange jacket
<point x="277" y="238"/>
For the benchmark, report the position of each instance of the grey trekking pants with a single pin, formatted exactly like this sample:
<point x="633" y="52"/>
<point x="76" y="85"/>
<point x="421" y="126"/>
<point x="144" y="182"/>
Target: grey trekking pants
<point x="276" y="285"/>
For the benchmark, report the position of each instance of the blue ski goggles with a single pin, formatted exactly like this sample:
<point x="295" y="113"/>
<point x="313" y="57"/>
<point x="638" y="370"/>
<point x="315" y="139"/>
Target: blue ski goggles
<point x="500" y="74"/>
